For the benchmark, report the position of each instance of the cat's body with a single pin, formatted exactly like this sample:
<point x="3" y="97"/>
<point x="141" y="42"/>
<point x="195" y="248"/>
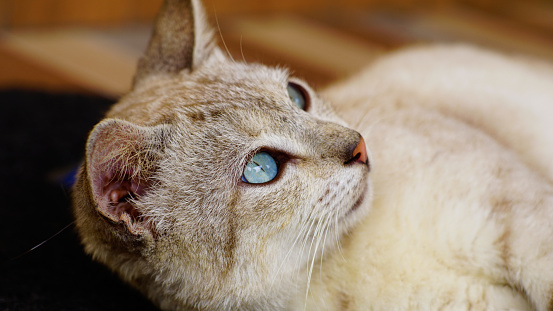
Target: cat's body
<point x="462" y="212"/>
<point x="456" y="212"/>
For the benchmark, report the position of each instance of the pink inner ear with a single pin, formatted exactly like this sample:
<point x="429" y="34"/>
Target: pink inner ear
<point x="118" y="171"/>
<point x="114" y="196"/>
<point x="119" y="194"/>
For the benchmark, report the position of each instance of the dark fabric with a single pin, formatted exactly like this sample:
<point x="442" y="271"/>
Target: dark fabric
<point x="42" y="139"/>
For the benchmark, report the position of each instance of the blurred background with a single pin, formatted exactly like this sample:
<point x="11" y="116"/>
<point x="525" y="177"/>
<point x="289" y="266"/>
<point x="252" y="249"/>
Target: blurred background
<point x="93" y="45"/>
<point x="64" y="62"/>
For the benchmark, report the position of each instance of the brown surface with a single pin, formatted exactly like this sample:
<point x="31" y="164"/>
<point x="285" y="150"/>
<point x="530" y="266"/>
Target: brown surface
<point x="81" y="12"/>
<point x="20" y="72"/>
<point x="17" y="13"/>
<point x="317" y="40"/>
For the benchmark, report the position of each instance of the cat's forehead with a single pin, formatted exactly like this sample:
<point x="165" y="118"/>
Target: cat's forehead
<point x="232" y="72"/>
<point x="212" y="92"/>
<point x="236" y="83"/>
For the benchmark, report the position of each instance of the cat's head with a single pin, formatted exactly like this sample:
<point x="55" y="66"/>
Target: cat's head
<point x="214" y="184"/>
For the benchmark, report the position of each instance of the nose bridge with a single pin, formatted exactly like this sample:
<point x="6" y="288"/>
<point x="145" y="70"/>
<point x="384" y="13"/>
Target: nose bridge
<point x="333" y="141"/>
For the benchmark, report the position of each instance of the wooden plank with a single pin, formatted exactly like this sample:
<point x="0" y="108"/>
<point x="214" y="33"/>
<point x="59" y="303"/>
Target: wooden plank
<point x="471" y="26"/>
<point x="92" y="62"/>
<point x="450" y="24"/>
<point x="536" y="14"/>
<point x="146" y="10"/>
<point x="109" y="12"/>
<point x="31" y="12"/>
<point x="97" y="12"/>
<point x="24" y="13"/>
<point x="322" y="48"/>
<point x="22" y="73"/>
<point x="5" y="12"/>
<point x="240" y="51"/>
<point x="387" y="28"/>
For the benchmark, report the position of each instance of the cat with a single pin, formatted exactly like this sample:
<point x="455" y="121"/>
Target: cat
<point x="221" y="185"/>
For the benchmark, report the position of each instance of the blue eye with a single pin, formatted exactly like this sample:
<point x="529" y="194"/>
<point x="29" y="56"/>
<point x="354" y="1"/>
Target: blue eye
<point x="297" y="95"/>
<point x="261" y="169"/>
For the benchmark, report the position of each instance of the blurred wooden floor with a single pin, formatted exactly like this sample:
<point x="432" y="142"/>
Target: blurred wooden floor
<point x="318" y="46"/>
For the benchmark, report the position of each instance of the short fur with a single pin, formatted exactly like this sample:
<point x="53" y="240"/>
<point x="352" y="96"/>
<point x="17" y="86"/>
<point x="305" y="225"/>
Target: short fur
<point x="456" y="212"/>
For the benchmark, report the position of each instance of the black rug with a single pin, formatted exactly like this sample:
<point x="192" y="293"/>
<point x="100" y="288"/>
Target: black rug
<point x="42" y="138"/>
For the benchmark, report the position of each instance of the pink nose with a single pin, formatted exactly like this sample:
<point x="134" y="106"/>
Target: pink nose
<point x="360" y="152"/>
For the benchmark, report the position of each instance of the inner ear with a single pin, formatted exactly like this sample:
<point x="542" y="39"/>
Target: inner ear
<point x="119" y="194"/>
<point x="121" y="159"/>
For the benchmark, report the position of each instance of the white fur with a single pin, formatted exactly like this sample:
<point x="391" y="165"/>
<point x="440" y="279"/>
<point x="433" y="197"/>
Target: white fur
<point x="443" y="123"/>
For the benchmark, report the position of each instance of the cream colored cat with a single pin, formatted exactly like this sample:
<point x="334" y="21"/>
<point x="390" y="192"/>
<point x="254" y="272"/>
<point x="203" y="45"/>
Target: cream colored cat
<point x="217" y="185"/>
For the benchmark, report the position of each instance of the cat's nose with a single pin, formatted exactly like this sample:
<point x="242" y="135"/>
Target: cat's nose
<point x="359" y="153"/>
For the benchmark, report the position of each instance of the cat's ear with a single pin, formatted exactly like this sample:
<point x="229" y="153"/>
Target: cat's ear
<point x="120" y="160"/>
<point x="181" y="40"/>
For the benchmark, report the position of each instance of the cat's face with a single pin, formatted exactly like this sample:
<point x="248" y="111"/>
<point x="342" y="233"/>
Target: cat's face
<point x="211" y="187"/>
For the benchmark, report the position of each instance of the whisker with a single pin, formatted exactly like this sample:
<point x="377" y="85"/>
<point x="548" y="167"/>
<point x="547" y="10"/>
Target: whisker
<point x="320" y="224"/>
<point x="326" y="229"/>
<point x="242" y="51"/>
<point x="372" y="125"/>
<point x="315" y="234"/>
<point x="300" y="233"/>
<point x="306" y="230"/>
<point x="337" y="237"/>
<point x="221" y="35"/>
<point x="306" y="237"/>
<point x="42" y="243"/>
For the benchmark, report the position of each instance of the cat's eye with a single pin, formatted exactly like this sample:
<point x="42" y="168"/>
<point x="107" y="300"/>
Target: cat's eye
<point x="297" y="95"/>
<point x="262" y="168"/>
